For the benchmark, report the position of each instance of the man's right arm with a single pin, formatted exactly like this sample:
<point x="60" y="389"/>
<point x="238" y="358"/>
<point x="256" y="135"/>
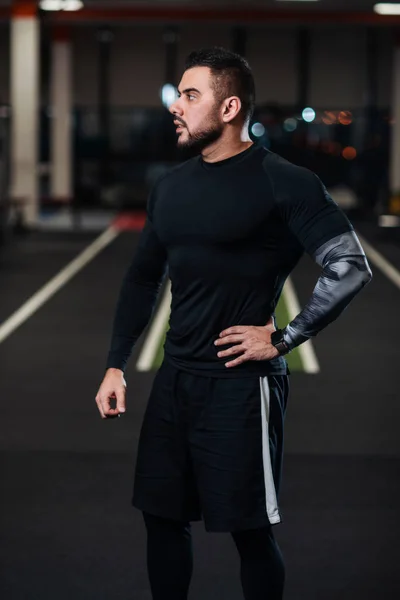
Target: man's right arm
<point x="138" y="296"/>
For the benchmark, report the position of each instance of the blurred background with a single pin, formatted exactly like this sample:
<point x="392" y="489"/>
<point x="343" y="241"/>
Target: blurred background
<point x="83" y="95"/>
<point x="84" y="133"/>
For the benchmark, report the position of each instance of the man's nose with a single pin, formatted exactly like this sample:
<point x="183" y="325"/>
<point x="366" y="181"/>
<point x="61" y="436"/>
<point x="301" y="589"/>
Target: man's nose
<point x="176" y="108"/>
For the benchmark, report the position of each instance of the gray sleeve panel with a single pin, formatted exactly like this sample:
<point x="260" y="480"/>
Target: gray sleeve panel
<point x="345" y="273"/>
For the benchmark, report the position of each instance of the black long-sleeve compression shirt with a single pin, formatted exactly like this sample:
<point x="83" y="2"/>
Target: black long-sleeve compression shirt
<point x="228" y="234"/>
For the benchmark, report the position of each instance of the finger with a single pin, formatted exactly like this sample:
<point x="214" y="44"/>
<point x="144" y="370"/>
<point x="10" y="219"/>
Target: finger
<point x="230" y="339"/>
<point x="237" y="361"/>
<point x="113" y="415"/>
<point x="235" y="329"/>
<point x="104" y="404"/>
<point x="114" y="412"/>
<point x="99" y="406"/>
<point x="120" y="394"/>
<point x="230" y="351"/>
<point x="108" y="411"/>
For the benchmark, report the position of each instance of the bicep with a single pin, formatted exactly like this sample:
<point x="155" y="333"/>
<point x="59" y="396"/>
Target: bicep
<point x="150" y="259"/>
<point x="311" y="214"/>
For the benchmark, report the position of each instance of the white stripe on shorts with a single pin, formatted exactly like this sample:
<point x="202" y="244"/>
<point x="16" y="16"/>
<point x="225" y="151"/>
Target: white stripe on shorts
<point x="270" y="492"/>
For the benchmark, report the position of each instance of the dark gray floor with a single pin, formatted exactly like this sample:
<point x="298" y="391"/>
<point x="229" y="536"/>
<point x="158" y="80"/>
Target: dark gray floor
<point x="29" y="262"/>
<point x="67" y="527"/>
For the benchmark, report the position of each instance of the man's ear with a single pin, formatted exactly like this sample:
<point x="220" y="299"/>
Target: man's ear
<point x="231" y="108"/>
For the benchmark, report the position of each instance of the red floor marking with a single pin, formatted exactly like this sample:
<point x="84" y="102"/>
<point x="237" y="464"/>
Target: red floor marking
<point x="130" y="221"/>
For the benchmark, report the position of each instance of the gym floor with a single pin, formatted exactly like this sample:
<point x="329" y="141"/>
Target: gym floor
<point x="68" y="530"/>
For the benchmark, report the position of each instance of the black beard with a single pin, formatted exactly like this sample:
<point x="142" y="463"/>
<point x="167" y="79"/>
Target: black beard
<point x="199" y="140"/>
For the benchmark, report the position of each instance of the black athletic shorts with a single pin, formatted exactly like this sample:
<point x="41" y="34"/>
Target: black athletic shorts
<point x="211" y="448"/>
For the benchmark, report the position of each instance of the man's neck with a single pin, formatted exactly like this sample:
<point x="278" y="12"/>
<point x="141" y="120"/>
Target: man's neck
<point x="229" y="144"/>
<point x="221" y="151"/>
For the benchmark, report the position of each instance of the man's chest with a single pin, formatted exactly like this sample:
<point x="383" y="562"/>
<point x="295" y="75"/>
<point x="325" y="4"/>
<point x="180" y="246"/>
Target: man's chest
<point x="210" y="211"/>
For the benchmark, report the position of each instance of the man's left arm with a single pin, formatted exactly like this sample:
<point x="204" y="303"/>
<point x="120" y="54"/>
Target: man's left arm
<point x="326" y="234"/>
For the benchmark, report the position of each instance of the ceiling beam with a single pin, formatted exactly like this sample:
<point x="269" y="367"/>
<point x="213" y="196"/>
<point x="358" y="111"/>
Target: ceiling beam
<point x="251" y="16"/>
<point x="195" y="14"/>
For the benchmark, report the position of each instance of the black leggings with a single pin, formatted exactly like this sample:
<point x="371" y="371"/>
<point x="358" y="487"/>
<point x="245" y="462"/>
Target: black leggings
<point x="170" y="560"/>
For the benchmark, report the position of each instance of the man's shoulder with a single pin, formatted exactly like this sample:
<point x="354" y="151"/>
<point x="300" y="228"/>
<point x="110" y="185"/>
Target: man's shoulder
<point x="286" y="174"/>
<point x="175" y="173"/>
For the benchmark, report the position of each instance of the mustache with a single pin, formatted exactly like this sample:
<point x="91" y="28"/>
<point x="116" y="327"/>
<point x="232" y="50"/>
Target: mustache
<point x="180" y="121"/>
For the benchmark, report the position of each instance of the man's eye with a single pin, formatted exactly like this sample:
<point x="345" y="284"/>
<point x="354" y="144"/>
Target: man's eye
<point x="191" y="97"/>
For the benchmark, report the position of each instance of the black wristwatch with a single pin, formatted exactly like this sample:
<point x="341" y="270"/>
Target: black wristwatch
<point x="279" y="343"/>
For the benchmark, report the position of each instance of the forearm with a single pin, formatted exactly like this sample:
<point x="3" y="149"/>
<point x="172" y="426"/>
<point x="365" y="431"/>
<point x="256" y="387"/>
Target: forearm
<point x="134" y="310"/>
<point x="137" y="297"/>
<point x="345" y="273"/>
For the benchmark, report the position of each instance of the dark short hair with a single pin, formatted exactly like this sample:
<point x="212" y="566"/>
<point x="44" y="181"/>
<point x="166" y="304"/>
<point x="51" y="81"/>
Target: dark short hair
<point x="232" y="75"/>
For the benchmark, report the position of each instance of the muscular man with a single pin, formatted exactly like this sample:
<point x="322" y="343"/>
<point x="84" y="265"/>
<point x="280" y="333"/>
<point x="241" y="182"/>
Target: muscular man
<point x="229" y="225"/>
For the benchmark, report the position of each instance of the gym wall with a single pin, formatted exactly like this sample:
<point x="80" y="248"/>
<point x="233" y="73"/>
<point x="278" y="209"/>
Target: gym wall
<point x="337" y="63"/>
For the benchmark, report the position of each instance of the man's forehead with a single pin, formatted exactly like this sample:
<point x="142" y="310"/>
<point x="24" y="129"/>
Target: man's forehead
<point x="197" y="77"/>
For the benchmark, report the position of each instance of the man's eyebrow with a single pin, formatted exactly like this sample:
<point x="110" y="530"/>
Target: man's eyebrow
<point x="187" y="90"/>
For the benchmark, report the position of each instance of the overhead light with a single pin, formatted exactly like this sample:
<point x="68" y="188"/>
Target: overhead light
<point x="308" y="115"/>
<point x="387" y="8"/>
<point x="72" y="5"/>
<point x="67" y="5"/>
<point x="169" y="94"/>
<point x="50" y="4"/>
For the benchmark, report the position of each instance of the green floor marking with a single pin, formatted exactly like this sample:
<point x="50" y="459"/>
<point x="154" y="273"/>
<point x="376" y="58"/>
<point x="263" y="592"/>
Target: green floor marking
<point x="160" y="352"/>
<point x="282" y="319"/>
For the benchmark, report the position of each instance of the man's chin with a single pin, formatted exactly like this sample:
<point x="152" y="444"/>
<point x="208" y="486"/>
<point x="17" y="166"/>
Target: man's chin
<point x="185" y="143"/>
<point x="193" y="145"/>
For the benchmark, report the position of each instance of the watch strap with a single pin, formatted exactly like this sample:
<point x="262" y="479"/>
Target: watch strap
<point x="279" y="343"/>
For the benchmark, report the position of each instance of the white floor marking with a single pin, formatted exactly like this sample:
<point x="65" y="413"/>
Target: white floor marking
<point x="46" y="292"/>
<point x="306" y="350"/>
<point x="380" y="261"/>
<point x="156" y="332"/>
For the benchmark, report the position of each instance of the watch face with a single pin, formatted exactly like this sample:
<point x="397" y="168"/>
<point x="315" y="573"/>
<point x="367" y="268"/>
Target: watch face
<point x="276" y="337"/>
<point x="278" y="341"/>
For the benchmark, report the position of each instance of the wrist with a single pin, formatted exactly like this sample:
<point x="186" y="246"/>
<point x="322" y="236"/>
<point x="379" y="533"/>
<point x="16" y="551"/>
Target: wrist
<point x="114" y="370"/>
<point x="278" y="341"/>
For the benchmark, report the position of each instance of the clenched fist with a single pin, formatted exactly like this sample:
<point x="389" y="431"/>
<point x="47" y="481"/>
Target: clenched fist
<point x="112" y="388"/>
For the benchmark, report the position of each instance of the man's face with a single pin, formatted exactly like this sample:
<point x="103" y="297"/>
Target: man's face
<point x="196" y="113"/>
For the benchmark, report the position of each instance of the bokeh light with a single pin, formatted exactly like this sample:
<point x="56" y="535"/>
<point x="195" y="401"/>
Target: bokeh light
<point x="329" y="117"/>
<point x="345" y="117"/>
<point x="308" y="114"/>
<point x="258" y="129"/>
<point x="55" y="5"/>
<point x="168" y="94"/>
<point x="290" y="125"/>
<point x="349" y="153"/>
